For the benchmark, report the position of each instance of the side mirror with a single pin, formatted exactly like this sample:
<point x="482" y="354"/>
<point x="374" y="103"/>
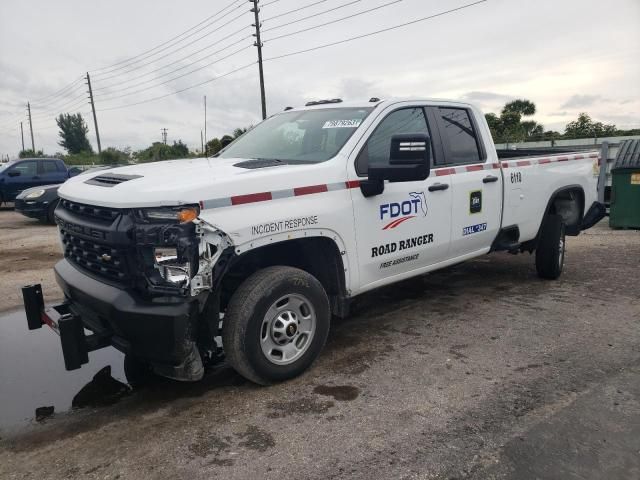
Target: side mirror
<point x="409" y="161"/>
<point x="15" y="173"/>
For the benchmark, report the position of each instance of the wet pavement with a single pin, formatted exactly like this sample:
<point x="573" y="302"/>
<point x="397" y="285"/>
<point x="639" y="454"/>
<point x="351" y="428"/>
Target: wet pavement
<point x="32" y="376"/>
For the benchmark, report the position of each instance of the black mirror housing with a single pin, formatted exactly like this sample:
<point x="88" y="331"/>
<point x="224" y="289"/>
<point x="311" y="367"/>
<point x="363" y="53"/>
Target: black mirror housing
<point x="409" y="161"/>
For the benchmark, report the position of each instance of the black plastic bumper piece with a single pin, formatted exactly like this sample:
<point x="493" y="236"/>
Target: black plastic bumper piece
<point x="155" y="331"/>
<point x="596" y="212"/>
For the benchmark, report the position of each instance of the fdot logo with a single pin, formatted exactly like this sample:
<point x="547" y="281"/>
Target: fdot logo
<point x="399" y="212"/>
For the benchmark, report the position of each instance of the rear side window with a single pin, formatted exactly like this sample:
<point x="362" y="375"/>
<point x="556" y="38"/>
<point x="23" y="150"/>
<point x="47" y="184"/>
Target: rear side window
<point x="48" y="167"/>
<point x="458" y="135"/>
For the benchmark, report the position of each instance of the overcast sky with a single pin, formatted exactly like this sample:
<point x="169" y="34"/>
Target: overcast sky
<point x="567" y="56"/>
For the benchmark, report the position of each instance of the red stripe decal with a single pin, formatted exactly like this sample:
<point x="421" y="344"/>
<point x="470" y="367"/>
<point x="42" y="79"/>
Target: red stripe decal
<point x="397" y="222"/>
<point x="445" y="171"/>
<point x="505" y="165"/>
<point x="251" y="198"/>
<point x="542" y="161"/>
<point x="579" y="157"/>
<point x="352" y="184"/>
<point x="201" y="205"/>
<point x="309" y="190"/>
<point x="474" y="168"/>
<point x="523" y="163"/>
<point x="562" y="159"/>
<point x="496" y="165"/>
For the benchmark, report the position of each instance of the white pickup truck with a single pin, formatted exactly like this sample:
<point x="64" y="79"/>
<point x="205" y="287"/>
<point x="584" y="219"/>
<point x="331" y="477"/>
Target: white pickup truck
<point x="253" y="251"/>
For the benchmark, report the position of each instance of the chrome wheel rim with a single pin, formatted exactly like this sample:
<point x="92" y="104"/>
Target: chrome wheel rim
<point x="287" y="329"/>
<point x="561" y="252"/>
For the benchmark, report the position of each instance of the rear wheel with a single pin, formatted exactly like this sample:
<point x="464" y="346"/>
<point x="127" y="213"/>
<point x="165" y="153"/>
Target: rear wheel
<point x="551" y="248"/>
<point x="276" y="324"/>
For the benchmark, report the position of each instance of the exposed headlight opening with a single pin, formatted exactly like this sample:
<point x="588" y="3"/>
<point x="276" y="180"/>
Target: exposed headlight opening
<point x="171" y="269"/>
<point x="35" y="194"/>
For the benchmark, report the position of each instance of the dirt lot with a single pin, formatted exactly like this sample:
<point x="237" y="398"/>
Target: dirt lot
<point x="28" y="249"/>
<point x="479" y="371"/>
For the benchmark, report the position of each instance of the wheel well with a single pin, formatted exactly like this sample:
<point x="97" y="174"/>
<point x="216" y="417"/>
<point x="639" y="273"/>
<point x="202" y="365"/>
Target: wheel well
<point x="319" y="256"/>
<point x="569" y="204"/>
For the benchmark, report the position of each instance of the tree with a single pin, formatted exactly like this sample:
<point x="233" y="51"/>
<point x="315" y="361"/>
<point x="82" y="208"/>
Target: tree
<point x="159" y="151"/>
<point x="113" y="156"/>
<point x="73" y="133"/>
<point x="585" y="127"/>
<point x="30" y="154"/>
<point x="509" y="126"/>
<point x="238" y="132"/>
<point x="213" y="146"/>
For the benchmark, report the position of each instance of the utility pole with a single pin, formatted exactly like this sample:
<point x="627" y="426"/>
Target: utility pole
<point x="164" y="135"/>
<point x="202" y="141"/>
<point x="205" y="119"/>
<point x="33" y="146"/>
<point x="22" y="135"/>
<point x="258" y="43"/>
<point x="93" y="109"/>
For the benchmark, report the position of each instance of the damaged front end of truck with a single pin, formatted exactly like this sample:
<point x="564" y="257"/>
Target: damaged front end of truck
<point x="142" y="280"/>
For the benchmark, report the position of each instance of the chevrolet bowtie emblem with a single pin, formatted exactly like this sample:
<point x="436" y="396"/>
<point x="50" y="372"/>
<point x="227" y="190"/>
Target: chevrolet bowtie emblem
<point x="105" y="257"/>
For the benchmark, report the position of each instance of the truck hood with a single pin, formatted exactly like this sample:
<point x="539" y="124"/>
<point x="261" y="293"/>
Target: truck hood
<point x="177" y="182"/>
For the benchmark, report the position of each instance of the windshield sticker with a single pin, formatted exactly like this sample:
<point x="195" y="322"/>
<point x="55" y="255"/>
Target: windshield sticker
<point x="342" y="123"/>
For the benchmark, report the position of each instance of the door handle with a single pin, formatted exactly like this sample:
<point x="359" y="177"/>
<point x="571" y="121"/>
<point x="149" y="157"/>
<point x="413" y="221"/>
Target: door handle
<point x="490" y="179"/>
<point x="438" y="186"/>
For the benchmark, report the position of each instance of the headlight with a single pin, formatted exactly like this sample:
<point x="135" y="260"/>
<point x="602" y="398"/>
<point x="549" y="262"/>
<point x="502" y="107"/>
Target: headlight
<point x="171" y="214"/>
<point x="34" y="194"/>
<point x="170" y="268"/>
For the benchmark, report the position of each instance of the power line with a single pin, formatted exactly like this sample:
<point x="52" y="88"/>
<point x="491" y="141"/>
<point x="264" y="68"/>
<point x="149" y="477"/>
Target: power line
<point x="176" y="78"/>
<point x="311" y="16"/>
<point x="57" y="92"/>
<point x="180" y="91"/>
<point x="61" y="106"/>
<point x="357" y="37"/>
<point x="270" y="3"/>
<point x="166" y="42"/>
<point x="138" y="67"/>
<point x="295" y="10"/>
<point x="180" y="60"/>
<point x="357" y="14"/>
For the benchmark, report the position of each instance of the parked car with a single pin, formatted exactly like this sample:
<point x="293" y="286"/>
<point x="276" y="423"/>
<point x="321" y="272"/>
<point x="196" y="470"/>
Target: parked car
<point x="19" y="175"/>
<point x="40" y="202"/>
<point x="263" y="245"/>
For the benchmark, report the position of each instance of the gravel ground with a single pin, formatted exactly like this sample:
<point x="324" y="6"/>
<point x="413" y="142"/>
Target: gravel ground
<point x="28" y="250"/>
<point x="478" y="371"/>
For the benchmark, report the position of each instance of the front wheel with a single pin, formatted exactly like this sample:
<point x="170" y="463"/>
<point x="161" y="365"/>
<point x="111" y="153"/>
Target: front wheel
<point x="276" y="324"/>
<point x="551" y="247"/>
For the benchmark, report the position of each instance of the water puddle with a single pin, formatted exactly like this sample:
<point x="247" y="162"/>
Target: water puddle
<point x="33" y="378"/>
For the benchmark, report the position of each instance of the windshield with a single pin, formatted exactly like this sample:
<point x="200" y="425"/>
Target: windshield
<point x="5" y="166"/>
<point x="307" y="136"/>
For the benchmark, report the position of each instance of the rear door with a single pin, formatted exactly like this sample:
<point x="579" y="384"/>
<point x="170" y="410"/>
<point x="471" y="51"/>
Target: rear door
<point x="407" y="227"/>
<point x="476" y="181"/>
<point x="50" y="172"/>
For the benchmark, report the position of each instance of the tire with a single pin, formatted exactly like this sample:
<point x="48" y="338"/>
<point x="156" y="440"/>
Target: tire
<point x="51" y="219"/>
<point x="276" y="324"/>
<point x="551" y="248"/>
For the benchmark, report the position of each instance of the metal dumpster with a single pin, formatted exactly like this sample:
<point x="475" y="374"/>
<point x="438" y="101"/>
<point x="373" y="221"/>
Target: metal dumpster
<point x="625" y="187"/>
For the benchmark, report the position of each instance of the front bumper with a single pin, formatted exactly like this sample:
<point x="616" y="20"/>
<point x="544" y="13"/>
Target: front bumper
<point x="158" y="331"/>
<point x="32" y="209"/>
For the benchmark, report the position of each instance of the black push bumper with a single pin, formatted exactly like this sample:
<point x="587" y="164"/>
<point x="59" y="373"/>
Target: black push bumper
<point x="156" y="332"/>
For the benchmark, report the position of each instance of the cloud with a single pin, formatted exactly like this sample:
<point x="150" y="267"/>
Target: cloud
<point x="486" y="97"/>
<point x="581" y="101"/>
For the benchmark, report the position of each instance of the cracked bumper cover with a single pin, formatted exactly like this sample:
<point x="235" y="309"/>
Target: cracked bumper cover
<point x="157" y="331"/>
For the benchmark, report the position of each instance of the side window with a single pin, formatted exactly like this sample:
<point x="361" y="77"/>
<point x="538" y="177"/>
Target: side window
<point x="26" y="169"/>
<point x="458" y="135"/>
<point x="48" y="167"/>
<point x="376" y="150"/>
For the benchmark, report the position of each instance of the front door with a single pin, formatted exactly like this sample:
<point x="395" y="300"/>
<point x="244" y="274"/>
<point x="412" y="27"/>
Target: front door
<point x="21" y="176"/>
<point x="407" y="227"/>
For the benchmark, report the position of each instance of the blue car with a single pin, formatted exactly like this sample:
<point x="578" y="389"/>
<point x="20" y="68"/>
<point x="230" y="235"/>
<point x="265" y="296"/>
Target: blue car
<point x="25" y="173"/>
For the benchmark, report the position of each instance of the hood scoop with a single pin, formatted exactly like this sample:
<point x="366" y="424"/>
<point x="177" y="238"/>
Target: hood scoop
<point x="111" y="180"/>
